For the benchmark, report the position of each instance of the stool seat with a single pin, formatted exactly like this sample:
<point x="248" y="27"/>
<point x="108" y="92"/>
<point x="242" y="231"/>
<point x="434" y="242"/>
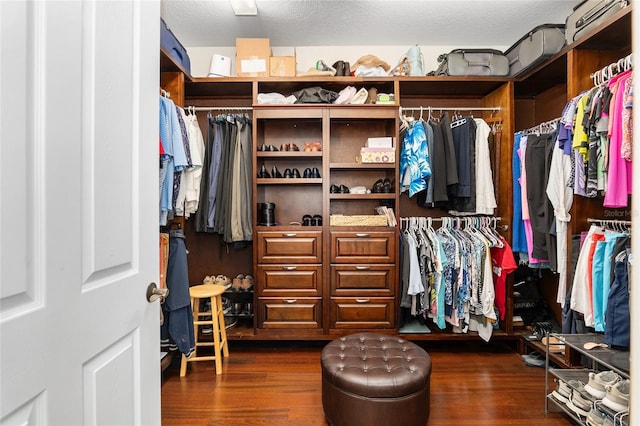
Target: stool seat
<point x="374" y="379"/>
<point x="214" y="318"/>
<point x="206" y="290"/>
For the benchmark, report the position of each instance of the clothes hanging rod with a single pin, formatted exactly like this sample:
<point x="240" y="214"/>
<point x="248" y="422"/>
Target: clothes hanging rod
<point x="609" y="221"/>
<point x="432" y="108"/>
<point x="221" y="108"/>
<point x="439" y="219"/>
<point x="603" y="75"/>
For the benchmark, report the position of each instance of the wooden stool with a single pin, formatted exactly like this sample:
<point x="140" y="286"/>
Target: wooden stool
<point x="219" y="343"/>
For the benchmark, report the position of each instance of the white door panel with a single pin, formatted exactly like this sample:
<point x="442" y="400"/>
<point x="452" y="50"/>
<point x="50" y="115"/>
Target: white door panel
<point x="79" y="212"/>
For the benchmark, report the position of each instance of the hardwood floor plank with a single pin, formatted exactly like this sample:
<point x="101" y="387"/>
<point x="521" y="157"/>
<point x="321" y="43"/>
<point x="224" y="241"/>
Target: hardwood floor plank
<point x="279" y="383"/>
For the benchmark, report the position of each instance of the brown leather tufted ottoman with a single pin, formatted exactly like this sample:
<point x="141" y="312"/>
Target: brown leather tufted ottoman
<point x="373" y="379"/>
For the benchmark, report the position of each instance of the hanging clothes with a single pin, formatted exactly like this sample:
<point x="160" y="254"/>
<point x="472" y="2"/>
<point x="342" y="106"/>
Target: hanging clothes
<point x="177" y="329"/>
<point x="226" y="185"/>
<point x="415" y="166"/>
<point x="450" y="274"/>
<point x="189" y="193"/>
<point x="174" y="159"/>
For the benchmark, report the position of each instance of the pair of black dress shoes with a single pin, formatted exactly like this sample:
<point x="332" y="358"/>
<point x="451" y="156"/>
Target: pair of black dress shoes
<point x="313" y="173"/>
<point x="309" y="173"/>
<point x="339" y="189"/>
<point x="308" y="220"/>
<point x="382" y="186"/>
<point x="266" y="148"/>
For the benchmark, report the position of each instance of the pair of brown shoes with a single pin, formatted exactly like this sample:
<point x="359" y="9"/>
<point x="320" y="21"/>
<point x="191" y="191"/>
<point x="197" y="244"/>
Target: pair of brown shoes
<point x="242" y="283"/>
<point x="343" y="69"/>
<point x="289" y="147"/>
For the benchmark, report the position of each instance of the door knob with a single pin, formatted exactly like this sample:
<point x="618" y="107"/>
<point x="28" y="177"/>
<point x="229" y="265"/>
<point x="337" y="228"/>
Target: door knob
<point x="154" y="293"/>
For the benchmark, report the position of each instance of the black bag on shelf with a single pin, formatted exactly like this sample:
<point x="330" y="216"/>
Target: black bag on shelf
<point x="589" y="14"/>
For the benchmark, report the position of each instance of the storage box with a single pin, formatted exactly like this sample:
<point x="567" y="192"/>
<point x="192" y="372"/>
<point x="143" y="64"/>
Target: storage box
<point x="358" y="220"/>
<point x="378" y="155"/>
<point x="220" y="66"/>
<point x="282" y="66"/>
<point x="252" y="57"/>
<point x="282" y="63"/>
<point x="383" y="142"/>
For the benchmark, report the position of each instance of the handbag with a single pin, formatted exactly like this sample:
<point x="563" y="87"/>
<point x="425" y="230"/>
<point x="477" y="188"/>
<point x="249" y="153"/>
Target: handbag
<point x="416" y="60"/>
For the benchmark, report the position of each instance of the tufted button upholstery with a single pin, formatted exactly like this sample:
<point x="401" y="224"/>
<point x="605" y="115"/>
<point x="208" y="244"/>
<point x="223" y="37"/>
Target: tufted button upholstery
<point x="375" y="379"/>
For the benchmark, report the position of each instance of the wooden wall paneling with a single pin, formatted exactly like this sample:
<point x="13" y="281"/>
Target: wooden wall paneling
<point x="502" y="174"/>
<point x="173" y="82"/>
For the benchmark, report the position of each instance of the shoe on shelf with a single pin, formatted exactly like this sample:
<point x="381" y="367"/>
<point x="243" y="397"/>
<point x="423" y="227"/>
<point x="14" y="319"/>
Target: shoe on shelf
<point x="247" y="283"/>
<point x="287" y="173"/>
<point x="263" y="173"/>
<point x="275" y="172"/>
<point x="321" y="66"/>
<point x="306" y="220"/>
<point x="617" y="396"/>
<point x="577" y="403"/>
<point x="598" y="382"/>
<point x="316" y="220"/>
<point x="315" y="173"/>
<point x="534" y="359"/>
<point x="555" y="345"/>
<point x="334" y="189"/>
<point x="307" y="173"/>
<point x="344" y="189"/>
<point x="208" y="280"/>
<point x="236" y="285"/>
<point x="378" y="187"/>
<point x="562" y="392"/>
<point x="387" y="186"/>
<point x="596" y="417"/>
<point x="227" y="305"/>
<point x="295" y="173"/>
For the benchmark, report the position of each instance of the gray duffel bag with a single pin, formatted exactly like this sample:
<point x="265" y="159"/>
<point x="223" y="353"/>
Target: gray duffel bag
<point x="535" y="47"/>
<point x="473" y="62"/>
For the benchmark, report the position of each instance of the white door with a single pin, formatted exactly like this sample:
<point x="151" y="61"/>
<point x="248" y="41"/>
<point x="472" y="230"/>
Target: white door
<point x="79" y="212"/>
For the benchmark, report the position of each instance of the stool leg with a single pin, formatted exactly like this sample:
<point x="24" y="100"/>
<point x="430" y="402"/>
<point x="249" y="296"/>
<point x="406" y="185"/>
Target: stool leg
<point x="216" y="334"/>
<point x="223" y="329"/>
<point x="183" y="366"/>
<point x="195" y="309"/>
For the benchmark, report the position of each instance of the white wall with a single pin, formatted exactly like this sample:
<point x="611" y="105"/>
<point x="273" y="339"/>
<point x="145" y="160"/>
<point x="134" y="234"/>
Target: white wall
<point x="306" y="56"/>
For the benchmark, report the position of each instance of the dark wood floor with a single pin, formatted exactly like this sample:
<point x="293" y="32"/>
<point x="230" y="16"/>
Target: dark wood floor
<point x="279" y="383"/>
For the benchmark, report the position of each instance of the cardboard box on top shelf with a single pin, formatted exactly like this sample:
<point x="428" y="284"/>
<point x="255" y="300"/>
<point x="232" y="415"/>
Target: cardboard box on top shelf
<point x="283" y="62"/>
<point x="252" y="57"/>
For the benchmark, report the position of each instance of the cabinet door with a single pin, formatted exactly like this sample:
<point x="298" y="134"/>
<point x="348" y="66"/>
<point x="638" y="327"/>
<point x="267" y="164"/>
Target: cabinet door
<point x="290" y="280"/>
<point x="298" y="313"/>
<point x="362" y="313"/>
<point x="363" y="246"/>
<point x="289" y="247"/>
<point x="363" y="280"/>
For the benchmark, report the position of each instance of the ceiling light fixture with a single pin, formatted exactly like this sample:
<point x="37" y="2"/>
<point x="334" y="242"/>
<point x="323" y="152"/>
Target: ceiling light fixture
<point x="244" y="7"/>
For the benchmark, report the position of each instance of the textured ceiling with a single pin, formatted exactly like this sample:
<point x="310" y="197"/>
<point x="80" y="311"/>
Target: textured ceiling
<point x="461" y="23"/>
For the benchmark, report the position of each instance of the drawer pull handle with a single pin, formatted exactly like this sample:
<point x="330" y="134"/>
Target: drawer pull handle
<point x="289" y="268"/>
<point x="362" y="235"/>
<point x="362" y="300"/>
<point x="290" y="300"/>
<point x="293" y="234"/>
<point x="363" y="268"/>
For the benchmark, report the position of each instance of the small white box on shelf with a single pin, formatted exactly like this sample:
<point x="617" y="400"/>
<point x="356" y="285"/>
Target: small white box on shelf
<point x="220" y="66"/>
<point x="382" y="142"/>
